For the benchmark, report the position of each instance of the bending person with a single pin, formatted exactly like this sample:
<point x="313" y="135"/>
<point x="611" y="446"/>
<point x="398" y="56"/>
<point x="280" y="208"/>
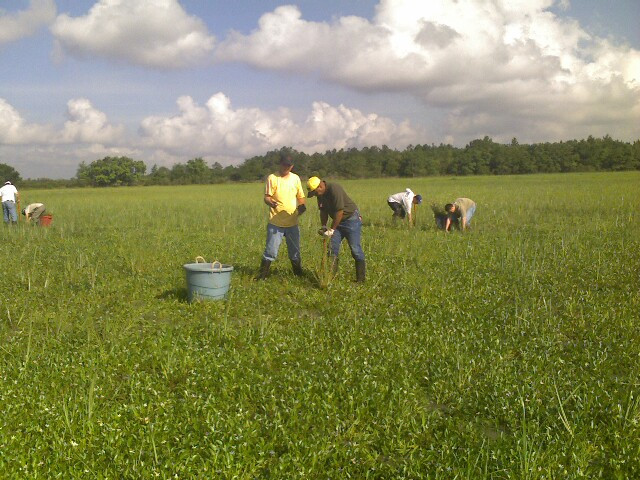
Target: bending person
<point x="334" y="202"/>
<point x="462" y="209"/>
<point x="33" y="212"/>
<point x="402" y="204"/>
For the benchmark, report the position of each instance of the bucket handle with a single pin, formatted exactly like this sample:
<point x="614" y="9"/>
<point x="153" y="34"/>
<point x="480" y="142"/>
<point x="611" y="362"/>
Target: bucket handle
<point x="200" y="259"/>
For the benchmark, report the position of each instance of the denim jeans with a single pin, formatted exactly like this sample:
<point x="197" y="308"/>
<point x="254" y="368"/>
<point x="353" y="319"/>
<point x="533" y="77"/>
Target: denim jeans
<point x="274" y="239"/>
<point x="351" y="229"/>
<point x="470" y="213"/>
<point x="9" y="211"/>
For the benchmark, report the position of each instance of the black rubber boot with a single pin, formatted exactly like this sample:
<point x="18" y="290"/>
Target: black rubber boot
<point x="361" y="270"/>
<point x="297" y="267"/>
<point x="263" y="273"/>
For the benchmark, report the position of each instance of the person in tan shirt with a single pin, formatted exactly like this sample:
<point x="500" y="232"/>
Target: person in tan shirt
<point x="461" y="209"/>
<point x="33" y="212"/>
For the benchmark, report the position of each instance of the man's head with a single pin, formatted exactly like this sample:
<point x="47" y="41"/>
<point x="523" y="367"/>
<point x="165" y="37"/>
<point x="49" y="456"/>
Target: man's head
<point x="7" y="182"/>
<point x="315" y="186"/>
<point x="286" y="165"/>
<point x="450" y="207"/>
<point x="417" y="200"/>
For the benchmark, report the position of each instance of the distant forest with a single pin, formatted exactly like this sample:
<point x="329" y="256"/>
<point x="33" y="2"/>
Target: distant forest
<point x="479" y="157"/>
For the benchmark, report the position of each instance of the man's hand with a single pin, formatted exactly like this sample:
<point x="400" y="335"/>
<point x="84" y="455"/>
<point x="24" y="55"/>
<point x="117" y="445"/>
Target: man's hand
<point x="328" y="232"/>
<point x="322" y="230"/>
<point x="301" y="209"/>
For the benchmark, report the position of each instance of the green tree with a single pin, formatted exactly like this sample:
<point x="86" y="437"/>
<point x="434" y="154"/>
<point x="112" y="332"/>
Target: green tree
<point x="9" y="174"/>
<point x="112" y="171"/>
<point x="198" y="171"/>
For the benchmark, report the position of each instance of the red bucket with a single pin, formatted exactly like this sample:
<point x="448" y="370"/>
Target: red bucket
<point x="45" y="220"/>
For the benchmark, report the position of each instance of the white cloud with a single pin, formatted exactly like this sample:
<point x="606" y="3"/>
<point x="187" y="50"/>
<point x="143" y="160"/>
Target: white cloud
<point x="26" y="22"/>
<point x="491" y="63"/>
<point x="14" y="130"/>
<point x="89" y="125"/>
<point x="153" y="33"/>
<point x="86" y="125"/>
<point x="216" y="129"/>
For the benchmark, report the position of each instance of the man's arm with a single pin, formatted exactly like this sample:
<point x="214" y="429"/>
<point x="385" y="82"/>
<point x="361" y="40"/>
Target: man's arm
<point x="407" y="203"/>
<point x="447" y="224"/>
<point x="337" y="219"/>
<point x="268" y="199"/>
<point x="324" y="218"/>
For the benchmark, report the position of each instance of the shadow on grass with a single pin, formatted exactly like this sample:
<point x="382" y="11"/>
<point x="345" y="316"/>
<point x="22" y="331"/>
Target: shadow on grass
<point x="282" y="271"/>
<point x="179" y="294"/>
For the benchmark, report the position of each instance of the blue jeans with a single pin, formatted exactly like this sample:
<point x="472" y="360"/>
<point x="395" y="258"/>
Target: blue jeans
<point x="274" y="239"/>
<point x="351" y="229"/>
<point x="9" y="211"/>
<point x="470" y="213"/>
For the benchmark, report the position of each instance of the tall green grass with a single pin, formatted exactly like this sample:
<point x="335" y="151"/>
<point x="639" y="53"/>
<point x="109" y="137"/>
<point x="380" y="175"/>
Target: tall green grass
<point x="510" y="351"/>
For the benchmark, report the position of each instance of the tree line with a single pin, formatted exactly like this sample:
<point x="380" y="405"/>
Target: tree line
<point x="479" y="157"/>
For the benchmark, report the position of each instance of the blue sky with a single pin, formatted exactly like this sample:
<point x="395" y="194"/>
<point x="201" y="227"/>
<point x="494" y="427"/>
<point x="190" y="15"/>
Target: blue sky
<point x="165" y="80"/>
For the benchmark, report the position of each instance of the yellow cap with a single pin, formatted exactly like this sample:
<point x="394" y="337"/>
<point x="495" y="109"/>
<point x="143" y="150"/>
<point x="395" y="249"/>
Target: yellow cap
<point x="313" y="183"/>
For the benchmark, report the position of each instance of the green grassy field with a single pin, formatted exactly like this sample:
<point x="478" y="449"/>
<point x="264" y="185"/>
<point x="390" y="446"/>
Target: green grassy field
<point x="511" y="351"/>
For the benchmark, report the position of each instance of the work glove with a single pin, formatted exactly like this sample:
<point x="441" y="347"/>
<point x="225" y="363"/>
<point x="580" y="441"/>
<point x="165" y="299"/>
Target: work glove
<point x="328" y="232"/>
<point x="302" y="209"/>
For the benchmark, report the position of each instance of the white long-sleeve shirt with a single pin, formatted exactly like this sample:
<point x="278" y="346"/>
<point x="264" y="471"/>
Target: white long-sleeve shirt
<point x="403" y="198"/>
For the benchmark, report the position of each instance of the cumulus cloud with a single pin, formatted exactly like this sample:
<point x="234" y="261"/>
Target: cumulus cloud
<point x="490" y="63"/>
<point x="26" y="22"/>
<point x="14" y="130"/>
<point x="214" y="131"/>
<point x="154" y="33"/>
<point x="86" y="125"/>
<point x="218" y="129"/>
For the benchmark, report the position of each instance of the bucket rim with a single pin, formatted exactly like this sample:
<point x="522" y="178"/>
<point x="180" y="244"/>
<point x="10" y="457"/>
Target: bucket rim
<point x="207" y="267"/>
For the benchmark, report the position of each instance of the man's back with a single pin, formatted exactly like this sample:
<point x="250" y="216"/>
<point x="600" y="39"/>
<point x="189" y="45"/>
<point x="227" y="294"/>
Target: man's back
<point x="8" y="193"/>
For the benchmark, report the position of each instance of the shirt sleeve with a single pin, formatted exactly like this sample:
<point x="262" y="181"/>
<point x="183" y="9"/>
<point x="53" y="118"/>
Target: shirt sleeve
<point x="270" y="186"/>
<point x="339" y="194"/>
<point x="408" y="201"/>
<point x="300" y="191"/>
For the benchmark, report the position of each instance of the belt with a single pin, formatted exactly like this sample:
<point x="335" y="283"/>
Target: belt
<point x="8" y="201"/>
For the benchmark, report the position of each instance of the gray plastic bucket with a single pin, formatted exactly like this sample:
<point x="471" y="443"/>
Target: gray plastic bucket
<point x="207" y="281"/>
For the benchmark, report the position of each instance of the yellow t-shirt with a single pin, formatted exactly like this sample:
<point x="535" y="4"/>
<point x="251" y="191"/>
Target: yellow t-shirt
<point x="286" y="191"/>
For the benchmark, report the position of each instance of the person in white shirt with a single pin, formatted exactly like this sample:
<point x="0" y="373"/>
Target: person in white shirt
<point x="9" y="195"/>
<point x="33" y="212"/>
<point x="402" y="203"/>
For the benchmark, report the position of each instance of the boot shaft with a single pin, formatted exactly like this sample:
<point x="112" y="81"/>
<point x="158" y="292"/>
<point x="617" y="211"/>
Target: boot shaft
<point x="361" y="270"/>
<point x="263" y="273"/>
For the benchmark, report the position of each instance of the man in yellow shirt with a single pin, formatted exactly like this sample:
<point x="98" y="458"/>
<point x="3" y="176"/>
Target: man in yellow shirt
<point x="285" y="198"/>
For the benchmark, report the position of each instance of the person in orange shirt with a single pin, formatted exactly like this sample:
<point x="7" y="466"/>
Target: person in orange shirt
<point x="285" y="198"/>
